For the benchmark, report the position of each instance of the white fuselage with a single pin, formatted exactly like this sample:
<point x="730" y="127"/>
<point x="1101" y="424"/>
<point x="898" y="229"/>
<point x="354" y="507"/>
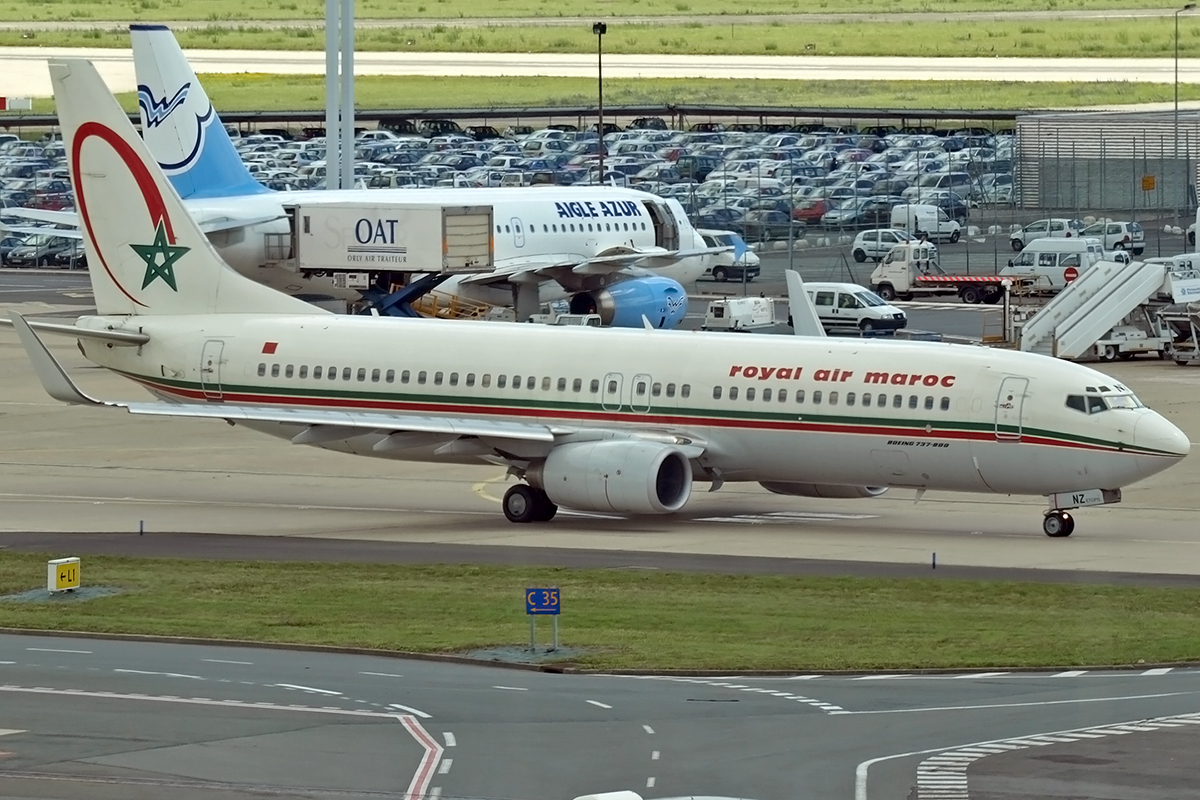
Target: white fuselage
<point x="533" y="225"/>
<point x="789" y="408"/>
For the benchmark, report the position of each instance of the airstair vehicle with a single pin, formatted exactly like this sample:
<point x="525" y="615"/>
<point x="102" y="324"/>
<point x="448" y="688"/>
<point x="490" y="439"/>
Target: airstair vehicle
<point x="1110" y="311"/>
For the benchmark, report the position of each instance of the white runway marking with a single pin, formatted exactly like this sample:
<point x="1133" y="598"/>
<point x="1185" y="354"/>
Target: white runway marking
<point x="223" y="661"/>
<point x="649" y="783"/>
<point x="599" y="704"/>
<point x="382" y="674"/>
<point x="445" y="766"/>
<point x="1158" y="671"/>
<point x="511" y="688"/>
<point x="53" y="650"/>
<point x="450" y="740"/>
<point x="1071" y="673"/>
<point x="654" y="755"/>
<point x="647" y="729"/>
<point x="9" y="731"/>
<point x="417" y="712"/>
<point x="1032" y="704"/>
<point x="312" y="689"/>
<point x="780" y="517"/>
<point x="164" y="674"/>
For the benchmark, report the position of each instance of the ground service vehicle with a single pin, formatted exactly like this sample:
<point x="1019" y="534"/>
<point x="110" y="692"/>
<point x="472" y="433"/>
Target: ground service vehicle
<point x="918" y="218"/>
<point x="848" y="306"/>
<point x="912" y="269"/>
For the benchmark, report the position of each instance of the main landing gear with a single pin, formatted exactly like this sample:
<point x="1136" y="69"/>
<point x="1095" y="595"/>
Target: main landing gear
<point x="1058" y="524"/>
<point x="523" y="503"/>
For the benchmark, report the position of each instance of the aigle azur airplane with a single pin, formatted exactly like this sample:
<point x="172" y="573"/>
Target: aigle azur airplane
<point x="620" y="420"/>
<point x="620" y="253"/>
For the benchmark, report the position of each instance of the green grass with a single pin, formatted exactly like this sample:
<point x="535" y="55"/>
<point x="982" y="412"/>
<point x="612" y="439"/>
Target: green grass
<point x="624" y="619"/>
<point x="1103" y="38"/>
<point x="160" y="10"/>
<point x="254" y="92"/>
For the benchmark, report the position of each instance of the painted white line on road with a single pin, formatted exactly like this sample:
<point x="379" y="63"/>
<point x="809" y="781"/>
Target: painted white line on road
<point x="647" y="729"/>
<point x="1033" y="704"/>
<point x="312" y="689"/>
<point x="654" y="755"/>
<point x="599" y="704"/>
<point x="53" y="650"/>
<point x="802" y="677"/>
<point x="979" y="675"/>
<point x="1158" y="671"/>
<point x="165" y="674"/>
<point x="223" y="661"/>
<point x="166" y="698"/>
<point x="382" y="674"/>
<point x="7" y="662"/>
<point x="435" y="793"/>
<point x="433" y="754"/>
<point x="450" y="740"/>
<point x="9" y="731"/>
<point x="511" y="688"/>
<point x="444" y="767"/>
<point x="411" y="710"/>
<point x="1071" y="673"/>
<point x="649" y="783"/>
<point x="878" y="677"/>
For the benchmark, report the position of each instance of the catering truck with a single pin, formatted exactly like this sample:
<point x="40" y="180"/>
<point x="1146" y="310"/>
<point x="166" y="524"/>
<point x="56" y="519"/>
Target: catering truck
<point x="397" y="237"/>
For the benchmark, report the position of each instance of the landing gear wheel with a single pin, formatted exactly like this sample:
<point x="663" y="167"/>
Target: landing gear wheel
<point x="521" y="503"/>
<point x="1058" y="524"/>
<point x="546" y="509"/>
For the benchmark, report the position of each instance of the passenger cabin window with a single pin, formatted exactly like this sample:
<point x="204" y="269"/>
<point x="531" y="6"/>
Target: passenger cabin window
<point x="866" y="400"/>
<point x="733" y="392"/>
<point x="316" y="372"/>
<point x="685" y="391"/>
<point x="421" y="377"/>
<point x="816" y="398"/>
<point x="304" y="371"/>
<point x="389" y="376"/>
<point x="849" y="398"/>
<point x="262" y="370"/>
<point x="531" y="383"/>
<point x="766" y="395"/>
<point x="485" y="381"/>
<point x="945" y="404"/>
<point x="898" y="401"/>
<point x="501" y="381"/>
<point x="577" y="385"/>
<point x="594" y="386"/>
<point x="783" y="395"/>
<point x="750" y="393"/>
<point x="929" y="403"/>
<point x="437" y="379"/>
<point x="404" y="376"/>
<point x="562" y="384"/>
<point x="670" y="390"/>
<point x="346" y="372"/>
<point x="612" y="387"/>
<point x="362" y="374"/>
<point x="274" y="370"/>
<point x="716" y="393"/>
<point x="799" y="396"/>
<point x="375" y="376"/>
<point x="656" y="390"/>
<point x="454" y="379"/>
<point x="470" y="379"/>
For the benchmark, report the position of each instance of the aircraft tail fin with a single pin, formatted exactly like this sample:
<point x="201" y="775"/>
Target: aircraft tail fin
<point x="180" y="126"/>
<point x="801" y="311"/>
<point x="145" y="252"/>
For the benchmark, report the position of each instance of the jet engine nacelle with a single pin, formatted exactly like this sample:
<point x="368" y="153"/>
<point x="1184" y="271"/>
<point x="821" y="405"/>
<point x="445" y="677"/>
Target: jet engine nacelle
<point x="661" y="300"/>
<point x="629" y="477"/>
<point x="826" y="490"/>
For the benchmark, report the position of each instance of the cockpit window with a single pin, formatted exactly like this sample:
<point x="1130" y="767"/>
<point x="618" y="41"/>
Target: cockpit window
<point x="1077" y="402"/>
<point x="1123" y="401"/>
<point x="1096" y="405"/>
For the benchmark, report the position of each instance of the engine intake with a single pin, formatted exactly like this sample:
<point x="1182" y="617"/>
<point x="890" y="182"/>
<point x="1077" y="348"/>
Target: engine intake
<point x="628" y="477"/>
<point x="826" y="490"/>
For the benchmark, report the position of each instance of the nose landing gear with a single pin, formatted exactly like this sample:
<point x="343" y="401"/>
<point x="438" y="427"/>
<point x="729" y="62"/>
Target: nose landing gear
<point x="1058" y="524"/>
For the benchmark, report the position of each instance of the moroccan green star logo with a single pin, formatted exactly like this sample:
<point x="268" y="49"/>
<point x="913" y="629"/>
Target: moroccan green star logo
<point x="160" y="258"/>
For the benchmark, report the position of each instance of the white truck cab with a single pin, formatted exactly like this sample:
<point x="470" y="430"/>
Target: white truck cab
<point x="848" y="306"/>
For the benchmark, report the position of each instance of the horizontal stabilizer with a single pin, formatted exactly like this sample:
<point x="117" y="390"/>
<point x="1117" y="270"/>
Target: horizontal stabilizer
<point x="53" y="377"/>
<point x="116" y="338"/>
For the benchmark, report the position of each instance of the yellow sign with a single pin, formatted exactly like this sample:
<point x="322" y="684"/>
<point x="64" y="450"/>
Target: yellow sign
<point x="1147" y="183"/>
<point x="62" y="574"/>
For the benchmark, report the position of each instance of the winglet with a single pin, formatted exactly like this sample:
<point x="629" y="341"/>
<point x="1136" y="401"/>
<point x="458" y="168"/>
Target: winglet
<point x="53" y="377"/>
<point x="805" y="321"/>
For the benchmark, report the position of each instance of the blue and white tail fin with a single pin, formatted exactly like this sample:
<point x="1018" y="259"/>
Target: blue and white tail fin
<point x="179" y="123"/>
<point x="146" y="254"/>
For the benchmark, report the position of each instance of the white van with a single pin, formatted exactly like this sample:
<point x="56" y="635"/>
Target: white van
<point x="1055" y="262"/>
<point x="846" y="306"/>
<point x="918" y="218"/>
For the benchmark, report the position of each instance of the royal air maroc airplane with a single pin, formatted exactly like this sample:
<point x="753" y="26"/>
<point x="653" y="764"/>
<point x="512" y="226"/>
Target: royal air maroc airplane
<point x="619" y="253"/>
<point x="611" y="421"/>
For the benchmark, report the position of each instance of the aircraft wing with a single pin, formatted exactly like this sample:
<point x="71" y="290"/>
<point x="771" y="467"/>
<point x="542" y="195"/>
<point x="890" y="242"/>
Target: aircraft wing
<point x="211" y="225"/>
<point x="563" y="267"/>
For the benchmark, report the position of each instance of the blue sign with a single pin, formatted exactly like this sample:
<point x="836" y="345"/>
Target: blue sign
<point x="542" y="601"/>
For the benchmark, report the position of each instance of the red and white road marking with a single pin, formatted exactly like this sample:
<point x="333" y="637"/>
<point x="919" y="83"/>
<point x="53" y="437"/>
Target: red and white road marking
<point x="433" y="754"/>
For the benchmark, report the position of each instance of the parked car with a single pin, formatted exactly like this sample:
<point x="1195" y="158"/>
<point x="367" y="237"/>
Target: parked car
<point x="860" y="212"/>
<point x="73" y="257"/>
<point x="7" y="244"/>
<point x="1042" y="228"/>
<point x="1119" y="235"/>
<point x="37" y="251"/>
<point x="876" y="243"/>
<point x="758" y="226"/>
<point x="728" y="265"/>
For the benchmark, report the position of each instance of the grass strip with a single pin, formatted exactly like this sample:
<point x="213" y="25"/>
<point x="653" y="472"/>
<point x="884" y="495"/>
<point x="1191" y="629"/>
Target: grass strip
<point x="257" y="92"/>
<point x="1074" y="38"/>
<point x="626" y="619"/>
<point x="166" y="10"/>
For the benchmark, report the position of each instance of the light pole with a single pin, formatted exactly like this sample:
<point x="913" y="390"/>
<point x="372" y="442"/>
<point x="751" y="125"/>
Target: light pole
<point x="1187" y="7"/>
<point x="601" y="28"/>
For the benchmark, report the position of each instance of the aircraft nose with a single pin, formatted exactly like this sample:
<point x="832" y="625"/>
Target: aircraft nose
<point x="1154" y="433"/>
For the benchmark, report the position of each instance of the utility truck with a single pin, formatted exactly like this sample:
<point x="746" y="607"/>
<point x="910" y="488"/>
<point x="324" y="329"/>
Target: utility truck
<point x="911" y="269"/>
